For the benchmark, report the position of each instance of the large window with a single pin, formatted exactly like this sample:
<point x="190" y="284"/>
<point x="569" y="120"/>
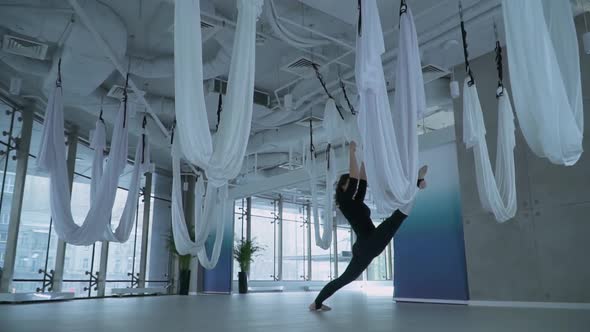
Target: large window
<point x="37" y="242"/>
<point x="264" y="231"/>
<point x="158" y="255"/>
<point x="123" y="258"/>
<point x="81" y="262"/>
<point x="321" y="260"/>
<point x="344" y="248"/>
<point x="294" y="242"/>
<point x="297" y="236"/>
<point x="36" y="245"/>
<point x="8" y="123"/>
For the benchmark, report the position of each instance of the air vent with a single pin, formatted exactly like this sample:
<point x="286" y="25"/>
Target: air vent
<point x="260" y="98"/>
<point x="116" y="92"/>
<point x="316" y="121"/>
<point x="431" y="72"/>
<point x="207" y="25"/>
<point x="300" y="66"/>
<point x="24" y="47"/>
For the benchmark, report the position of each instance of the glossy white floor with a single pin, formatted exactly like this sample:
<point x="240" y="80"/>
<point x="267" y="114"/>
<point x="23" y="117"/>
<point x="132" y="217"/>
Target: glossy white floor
<point x="353" y="311"/>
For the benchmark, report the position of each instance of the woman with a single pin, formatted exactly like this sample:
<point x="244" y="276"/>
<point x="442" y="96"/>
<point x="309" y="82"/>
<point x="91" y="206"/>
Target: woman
<point x="371" y="240"/>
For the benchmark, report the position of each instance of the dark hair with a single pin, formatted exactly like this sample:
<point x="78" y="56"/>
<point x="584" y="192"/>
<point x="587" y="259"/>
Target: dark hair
<point x="341" y="182"/>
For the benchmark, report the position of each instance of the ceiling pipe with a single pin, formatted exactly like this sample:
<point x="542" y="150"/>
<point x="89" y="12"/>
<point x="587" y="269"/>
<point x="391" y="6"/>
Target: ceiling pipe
<point x="427" y="42"/>
<point x="109" y="52"/>
<point x="490" y="10"/>
<point x="319" y="33"/>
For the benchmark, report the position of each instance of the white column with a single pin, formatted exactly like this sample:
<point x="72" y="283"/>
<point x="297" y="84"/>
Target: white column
<point x="280" y="239"/>
<point x="147" y="201"/>
<point x="308" y="221"/>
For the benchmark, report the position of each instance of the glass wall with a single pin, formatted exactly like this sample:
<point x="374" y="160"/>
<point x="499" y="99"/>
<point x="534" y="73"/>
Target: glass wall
<point x="321" y="260"/>
<point x="264" y="232"/>
<point x="36" y="245"/>
<point x="37" y="242"/>
<point x="294" y="242"/>
<point x="123" y="258"/>
<point x="158" y="255"/>
<point x="344" y="237"/>
<point x="81" y="262"/>
<point x="296" y="238"/>
<point x="8" y="122"/>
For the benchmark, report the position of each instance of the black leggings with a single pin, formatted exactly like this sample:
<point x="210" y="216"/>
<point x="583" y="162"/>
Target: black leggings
<point x="363" y="252"/>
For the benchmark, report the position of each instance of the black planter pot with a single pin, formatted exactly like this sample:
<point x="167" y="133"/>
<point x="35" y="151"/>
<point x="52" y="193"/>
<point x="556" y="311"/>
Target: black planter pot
<point x="243" y="282"/>
<point x="184" y="281"/>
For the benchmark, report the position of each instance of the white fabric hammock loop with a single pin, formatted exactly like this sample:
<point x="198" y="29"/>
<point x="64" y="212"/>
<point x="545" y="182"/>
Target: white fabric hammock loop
<point x="390" y="143"/>
<point x="52" y="157"/>
<point x="323" y="239"/>
<point x="209" y="209"/>
<point x="497" y="194"/>
<point x="544" y="66"/>
<point x="221" y="156"/>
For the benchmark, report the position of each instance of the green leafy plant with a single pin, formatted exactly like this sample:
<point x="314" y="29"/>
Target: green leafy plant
<point x="244" y="253"/>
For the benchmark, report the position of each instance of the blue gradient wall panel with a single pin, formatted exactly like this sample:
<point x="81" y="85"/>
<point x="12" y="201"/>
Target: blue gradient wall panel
<point x="219" y="279"/>
<point x="429" y="256"/>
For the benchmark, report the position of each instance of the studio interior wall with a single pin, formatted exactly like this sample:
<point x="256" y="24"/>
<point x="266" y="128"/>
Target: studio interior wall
<point x="542" y="254"/>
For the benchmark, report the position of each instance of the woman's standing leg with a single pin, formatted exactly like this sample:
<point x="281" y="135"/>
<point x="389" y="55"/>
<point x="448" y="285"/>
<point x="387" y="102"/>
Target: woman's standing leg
<point x="355" y="268"/>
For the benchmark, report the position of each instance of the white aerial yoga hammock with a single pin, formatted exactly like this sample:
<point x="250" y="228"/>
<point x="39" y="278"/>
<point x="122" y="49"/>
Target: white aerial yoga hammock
<point x="334" y="128"/>
<point x="209" y="209"/>
<point x="497" y="194"/>
<point x="221" y="156"/>
<point x="52" y="157"/>
<point x="323" y="239"/>
<point x="285" y="34"/>
<point x="390" y="144"/>
<point x="544" y="64"/>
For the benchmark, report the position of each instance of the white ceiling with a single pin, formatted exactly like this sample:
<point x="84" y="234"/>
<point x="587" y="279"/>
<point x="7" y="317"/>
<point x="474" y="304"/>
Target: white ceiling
<point x="149" y="36"/>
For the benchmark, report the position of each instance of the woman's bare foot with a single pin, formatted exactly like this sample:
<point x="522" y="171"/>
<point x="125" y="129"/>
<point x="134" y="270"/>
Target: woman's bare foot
<point x="312" y="307"/>
<point x="421" y="175"/>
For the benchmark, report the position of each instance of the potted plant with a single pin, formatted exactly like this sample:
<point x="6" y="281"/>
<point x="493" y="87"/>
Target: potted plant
<point x="244" y="253"/>
<point x="184" y="266"/>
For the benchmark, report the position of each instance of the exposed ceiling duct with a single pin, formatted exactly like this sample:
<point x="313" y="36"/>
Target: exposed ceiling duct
<point x="84" y="68"/>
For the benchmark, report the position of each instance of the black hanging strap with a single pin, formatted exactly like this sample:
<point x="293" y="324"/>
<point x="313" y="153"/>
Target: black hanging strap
<point x="343" y="87"/>
<point x="499" y="65"/>
<point x="465" y="48"/>
<point x="58" y="81"/>
<point x="101" y="111"/>
<point x="403" y="7"/>
<point x="219" y="109"/>
<point x="500" y="69"/>
<point x="125" y="97"/>
<point x="172" y="132"/>
<point x="311" y="146"/>
<point x="360" y="22"/>
<point x="323" y="83"/>
<point x="143" y="125"/>
<point x="328" y="154"/>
